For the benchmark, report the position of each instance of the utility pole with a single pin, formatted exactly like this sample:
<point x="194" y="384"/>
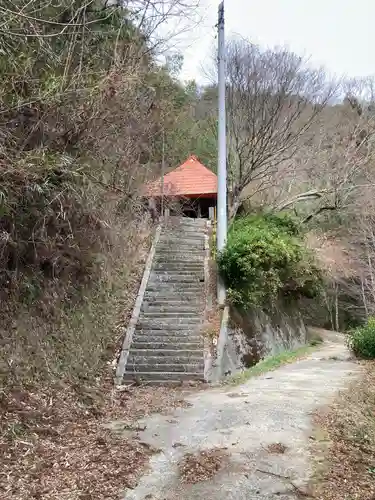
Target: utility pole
<point x="162" y="175"/>
<point x="222" y="153"/>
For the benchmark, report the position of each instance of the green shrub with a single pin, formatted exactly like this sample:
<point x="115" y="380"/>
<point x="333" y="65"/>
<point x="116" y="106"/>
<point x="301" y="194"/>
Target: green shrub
<point x="361" y="340"/>
<point x="264" y="258"/>
<point x="278" y="222"/>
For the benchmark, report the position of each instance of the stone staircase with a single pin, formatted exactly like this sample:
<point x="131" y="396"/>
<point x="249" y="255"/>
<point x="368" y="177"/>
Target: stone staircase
<point x="167" y="344"/>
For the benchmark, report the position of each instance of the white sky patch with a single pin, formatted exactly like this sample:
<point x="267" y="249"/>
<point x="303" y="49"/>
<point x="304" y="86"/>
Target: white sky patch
<point x="338" y="34"/>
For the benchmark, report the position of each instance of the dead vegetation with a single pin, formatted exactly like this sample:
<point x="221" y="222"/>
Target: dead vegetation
<point x="72" y="225"/>
<point x="211" y="326"/>
<point x="310" y="155"/>
<point x="344" y="443"/>
<point x="82" y="107"/>
<point x="56" y="443"/>
<point x="276" y="448"/>
<point x="202" y="465"/>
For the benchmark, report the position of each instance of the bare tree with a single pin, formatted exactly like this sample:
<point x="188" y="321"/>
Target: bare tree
<point x="164" y="22"/>
<point x="158" y="23"/>
<point x="273" y="99"/>
<point x="335" y="162"/>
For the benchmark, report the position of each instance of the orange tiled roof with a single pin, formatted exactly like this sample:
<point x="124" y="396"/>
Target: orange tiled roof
<point x="191" y="178"/>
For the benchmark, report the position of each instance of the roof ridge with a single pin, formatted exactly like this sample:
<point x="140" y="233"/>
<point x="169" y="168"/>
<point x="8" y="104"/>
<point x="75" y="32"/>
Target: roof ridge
<point x="188" y="178"/>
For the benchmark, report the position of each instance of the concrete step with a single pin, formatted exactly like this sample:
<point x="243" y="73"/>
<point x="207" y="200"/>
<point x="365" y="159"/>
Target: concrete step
<point x="181" y="268"/>
<point x="165" y="367"/>
<point x="167" y="295"/>
<point x="180" y="245"/>
<point x="184" y="234"/>
<point x="178" y="241"/>
<point x="160" y="299"/>
<point x="173" y="292"/>
<point x="174" y="382"/>
<point x="177" y="292"/>
<point x="134" y="362"/>
<point x="172" y="331"/>
<point x="165" y="249"/>
<point x="199" y="228"/>
<point x="172" y="301"/>
<point x="186" y="252"/>
<point x="183" y="335"/>
<point x="163" y="274"/>
<point x="165" y="383"/>
<point x="183" y="237"/>
<point x="177" y="280"/>
<point x="168" y="307"/>
<point x="166" y="354"/>
<point x="168" y="323"/>
<point x="184" y="267"/>
<point x="192" y="253"/>
<point x="162" y="377"/>
<point x="172" y="272"/>
<point x="182" y="258"/>
<point x="182" y="264"/>
<point x="173" y="278"/>
<point x="188" y="234"/>
<point x="178" y="263"/>
<point x="190" y="316"/>
<point x="188" y="225"/>
<point x="167" y="343"/>
<point x="179" y="258"/>
<point x="171" y="340"/>
<point x="174" y="286"/>
<point x="191" y="239"/>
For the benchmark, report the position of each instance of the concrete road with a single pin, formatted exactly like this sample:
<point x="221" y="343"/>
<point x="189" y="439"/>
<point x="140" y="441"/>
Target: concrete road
<point x="273" y="408"/>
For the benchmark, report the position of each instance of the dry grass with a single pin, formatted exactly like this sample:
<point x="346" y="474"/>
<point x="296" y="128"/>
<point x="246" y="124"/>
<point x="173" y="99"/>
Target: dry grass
<point x="74" y="340"/>
<point x="71" y="168"/>
<point x="335" y="256"/>
<point x="58" y="394"/>
<point x="73" y="239"/>
<point x="55" y="444"/>
<point x="211" y="326"/>
<point x="346" y="471"/>
<point x="203" y="465"/>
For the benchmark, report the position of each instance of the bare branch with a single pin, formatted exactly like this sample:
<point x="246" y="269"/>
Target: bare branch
<point x="273" y="99"/>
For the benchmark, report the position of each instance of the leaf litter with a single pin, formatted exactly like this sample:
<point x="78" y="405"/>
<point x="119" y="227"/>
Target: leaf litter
<point x="203" y="465"/>
<point x="344" y="443"/>
<point x="55" y="445"/>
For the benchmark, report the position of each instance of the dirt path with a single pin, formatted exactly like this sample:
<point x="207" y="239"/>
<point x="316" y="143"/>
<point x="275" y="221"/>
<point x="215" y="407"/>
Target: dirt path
<point x="246" y="422"/>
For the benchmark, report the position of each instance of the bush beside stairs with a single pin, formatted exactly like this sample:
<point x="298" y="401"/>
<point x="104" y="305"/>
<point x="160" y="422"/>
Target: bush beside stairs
<point x="167" y="344"/>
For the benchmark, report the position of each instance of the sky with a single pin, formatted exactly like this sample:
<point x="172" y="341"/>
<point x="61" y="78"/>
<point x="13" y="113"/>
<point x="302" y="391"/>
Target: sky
<point x="337" y="34"/>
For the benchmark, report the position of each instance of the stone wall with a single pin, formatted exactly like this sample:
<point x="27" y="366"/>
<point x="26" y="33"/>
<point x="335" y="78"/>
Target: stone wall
<point x="250" y="336"/>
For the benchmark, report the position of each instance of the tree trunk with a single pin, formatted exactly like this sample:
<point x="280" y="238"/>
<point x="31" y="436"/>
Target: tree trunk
<point x="337" y="323"/>
<point x="233" y="209"/>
